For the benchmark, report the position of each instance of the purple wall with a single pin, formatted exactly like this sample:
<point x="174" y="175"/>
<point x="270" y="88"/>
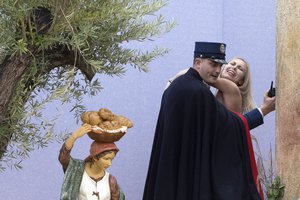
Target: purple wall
<point x="248" y="28"/>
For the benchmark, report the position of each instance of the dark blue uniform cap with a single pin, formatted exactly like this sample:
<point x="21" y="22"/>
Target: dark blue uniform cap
<point x="211" y="50"/>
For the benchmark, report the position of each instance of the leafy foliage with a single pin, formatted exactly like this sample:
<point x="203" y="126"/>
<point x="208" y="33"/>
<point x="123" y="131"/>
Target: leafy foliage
<point x="273" y="188"/>
<point x="68" y="42"/>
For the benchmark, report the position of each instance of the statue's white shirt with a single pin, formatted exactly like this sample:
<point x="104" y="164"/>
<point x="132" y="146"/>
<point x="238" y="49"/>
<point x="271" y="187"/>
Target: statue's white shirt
<point x="90" y="189"/>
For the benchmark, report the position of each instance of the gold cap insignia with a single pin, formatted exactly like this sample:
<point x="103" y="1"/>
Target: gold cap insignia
<point x="222" y="48"/>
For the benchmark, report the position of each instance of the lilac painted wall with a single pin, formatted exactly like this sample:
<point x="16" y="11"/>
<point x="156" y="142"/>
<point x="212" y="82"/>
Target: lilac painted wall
<point x="248" y="28"/>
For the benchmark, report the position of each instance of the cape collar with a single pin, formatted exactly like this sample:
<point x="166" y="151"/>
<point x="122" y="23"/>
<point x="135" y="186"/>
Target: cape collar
<point x="193" y="72"/>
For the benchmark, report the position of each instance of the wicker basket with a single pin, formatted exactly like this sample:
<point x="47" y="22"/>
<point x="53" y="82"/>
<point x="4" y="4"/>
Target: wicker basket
<point x="101" y="136"/>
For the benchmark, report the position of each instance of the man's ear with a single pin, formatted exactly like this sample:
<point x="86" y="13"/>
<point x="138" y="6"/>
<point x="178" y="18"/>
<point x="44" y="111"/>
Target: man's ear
<point x="197" y="63"/>
<point x="197" y="60"/>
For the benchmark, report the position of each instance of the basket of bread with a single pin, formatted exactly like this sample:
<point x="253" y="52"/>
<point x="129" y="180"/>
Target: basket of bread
<point x="106" y="126"/>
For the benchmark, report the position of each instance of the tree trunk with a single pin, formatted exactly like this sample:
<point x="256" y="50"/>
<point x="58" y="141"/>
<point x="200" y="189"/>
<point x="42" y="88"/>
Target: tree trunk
<point x="13" y="68"/>
<point x="288" y="96"/>
<point x="11" y="72"/>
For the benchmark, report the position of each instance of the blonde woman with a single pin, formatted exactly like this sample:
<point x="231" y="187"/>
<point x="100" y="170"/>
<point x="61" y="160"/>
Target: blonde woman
<point x="237" y="70"/>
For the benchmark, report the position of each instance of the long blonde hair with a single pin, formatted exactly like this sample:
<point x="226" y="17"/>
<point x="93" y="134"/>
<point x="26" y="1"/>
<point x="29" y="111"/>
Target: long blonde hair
<point x="245" y="89"/>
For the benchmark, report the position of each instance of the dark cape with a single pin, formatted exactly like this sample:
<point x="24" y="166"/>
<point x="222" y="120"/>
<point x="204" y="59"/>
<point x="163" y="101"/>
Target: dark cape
<point x="200" y="149"/>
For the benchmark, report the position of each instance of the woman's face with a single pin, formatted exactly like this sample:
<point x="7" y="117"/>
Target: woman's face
<point x="105" y="161"/>
<point x="235" y="71"/>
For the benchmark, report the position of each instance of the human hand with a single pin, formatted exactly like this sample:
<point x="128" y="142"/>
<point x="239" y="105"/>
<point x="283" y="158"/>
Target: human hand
<point x="268" y="104"/>
<point x="180" y="73"/>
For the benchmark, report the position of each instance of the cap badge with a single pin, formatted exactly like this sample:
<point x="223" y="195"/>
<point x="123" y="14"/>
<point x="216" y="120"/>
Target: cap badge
<point x="222" y="48"/>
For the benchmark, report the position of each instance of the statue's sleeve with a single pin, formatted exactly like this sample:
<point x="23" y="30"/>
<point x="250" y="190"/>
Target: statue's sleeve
<point x="64" y="157"/>
<point x="115" y="191"/>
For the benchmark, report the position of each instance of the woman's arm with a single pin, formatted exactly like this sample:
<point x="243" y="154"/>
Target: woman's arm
<point x="229" y="94"/>
<point x="176" y="76"/>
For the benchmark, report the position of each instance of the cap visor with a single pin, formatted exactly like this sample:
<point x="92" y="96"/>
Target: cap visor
<point x="219" y="61"/>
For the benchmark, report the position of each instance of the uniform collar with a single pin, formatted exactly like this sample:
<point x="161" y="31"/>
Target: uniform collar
<point x="193" y="72"/>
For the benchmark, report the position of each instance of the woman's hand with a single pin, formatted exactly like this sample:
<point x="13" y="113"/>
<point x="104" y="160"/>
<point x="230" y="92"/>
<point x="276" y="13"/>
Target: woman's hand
<point x="268" y="104"/>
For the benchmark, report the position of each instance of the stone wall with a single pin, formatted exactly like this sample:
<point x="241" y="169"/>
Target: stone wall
<point x="288" y="96"/>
